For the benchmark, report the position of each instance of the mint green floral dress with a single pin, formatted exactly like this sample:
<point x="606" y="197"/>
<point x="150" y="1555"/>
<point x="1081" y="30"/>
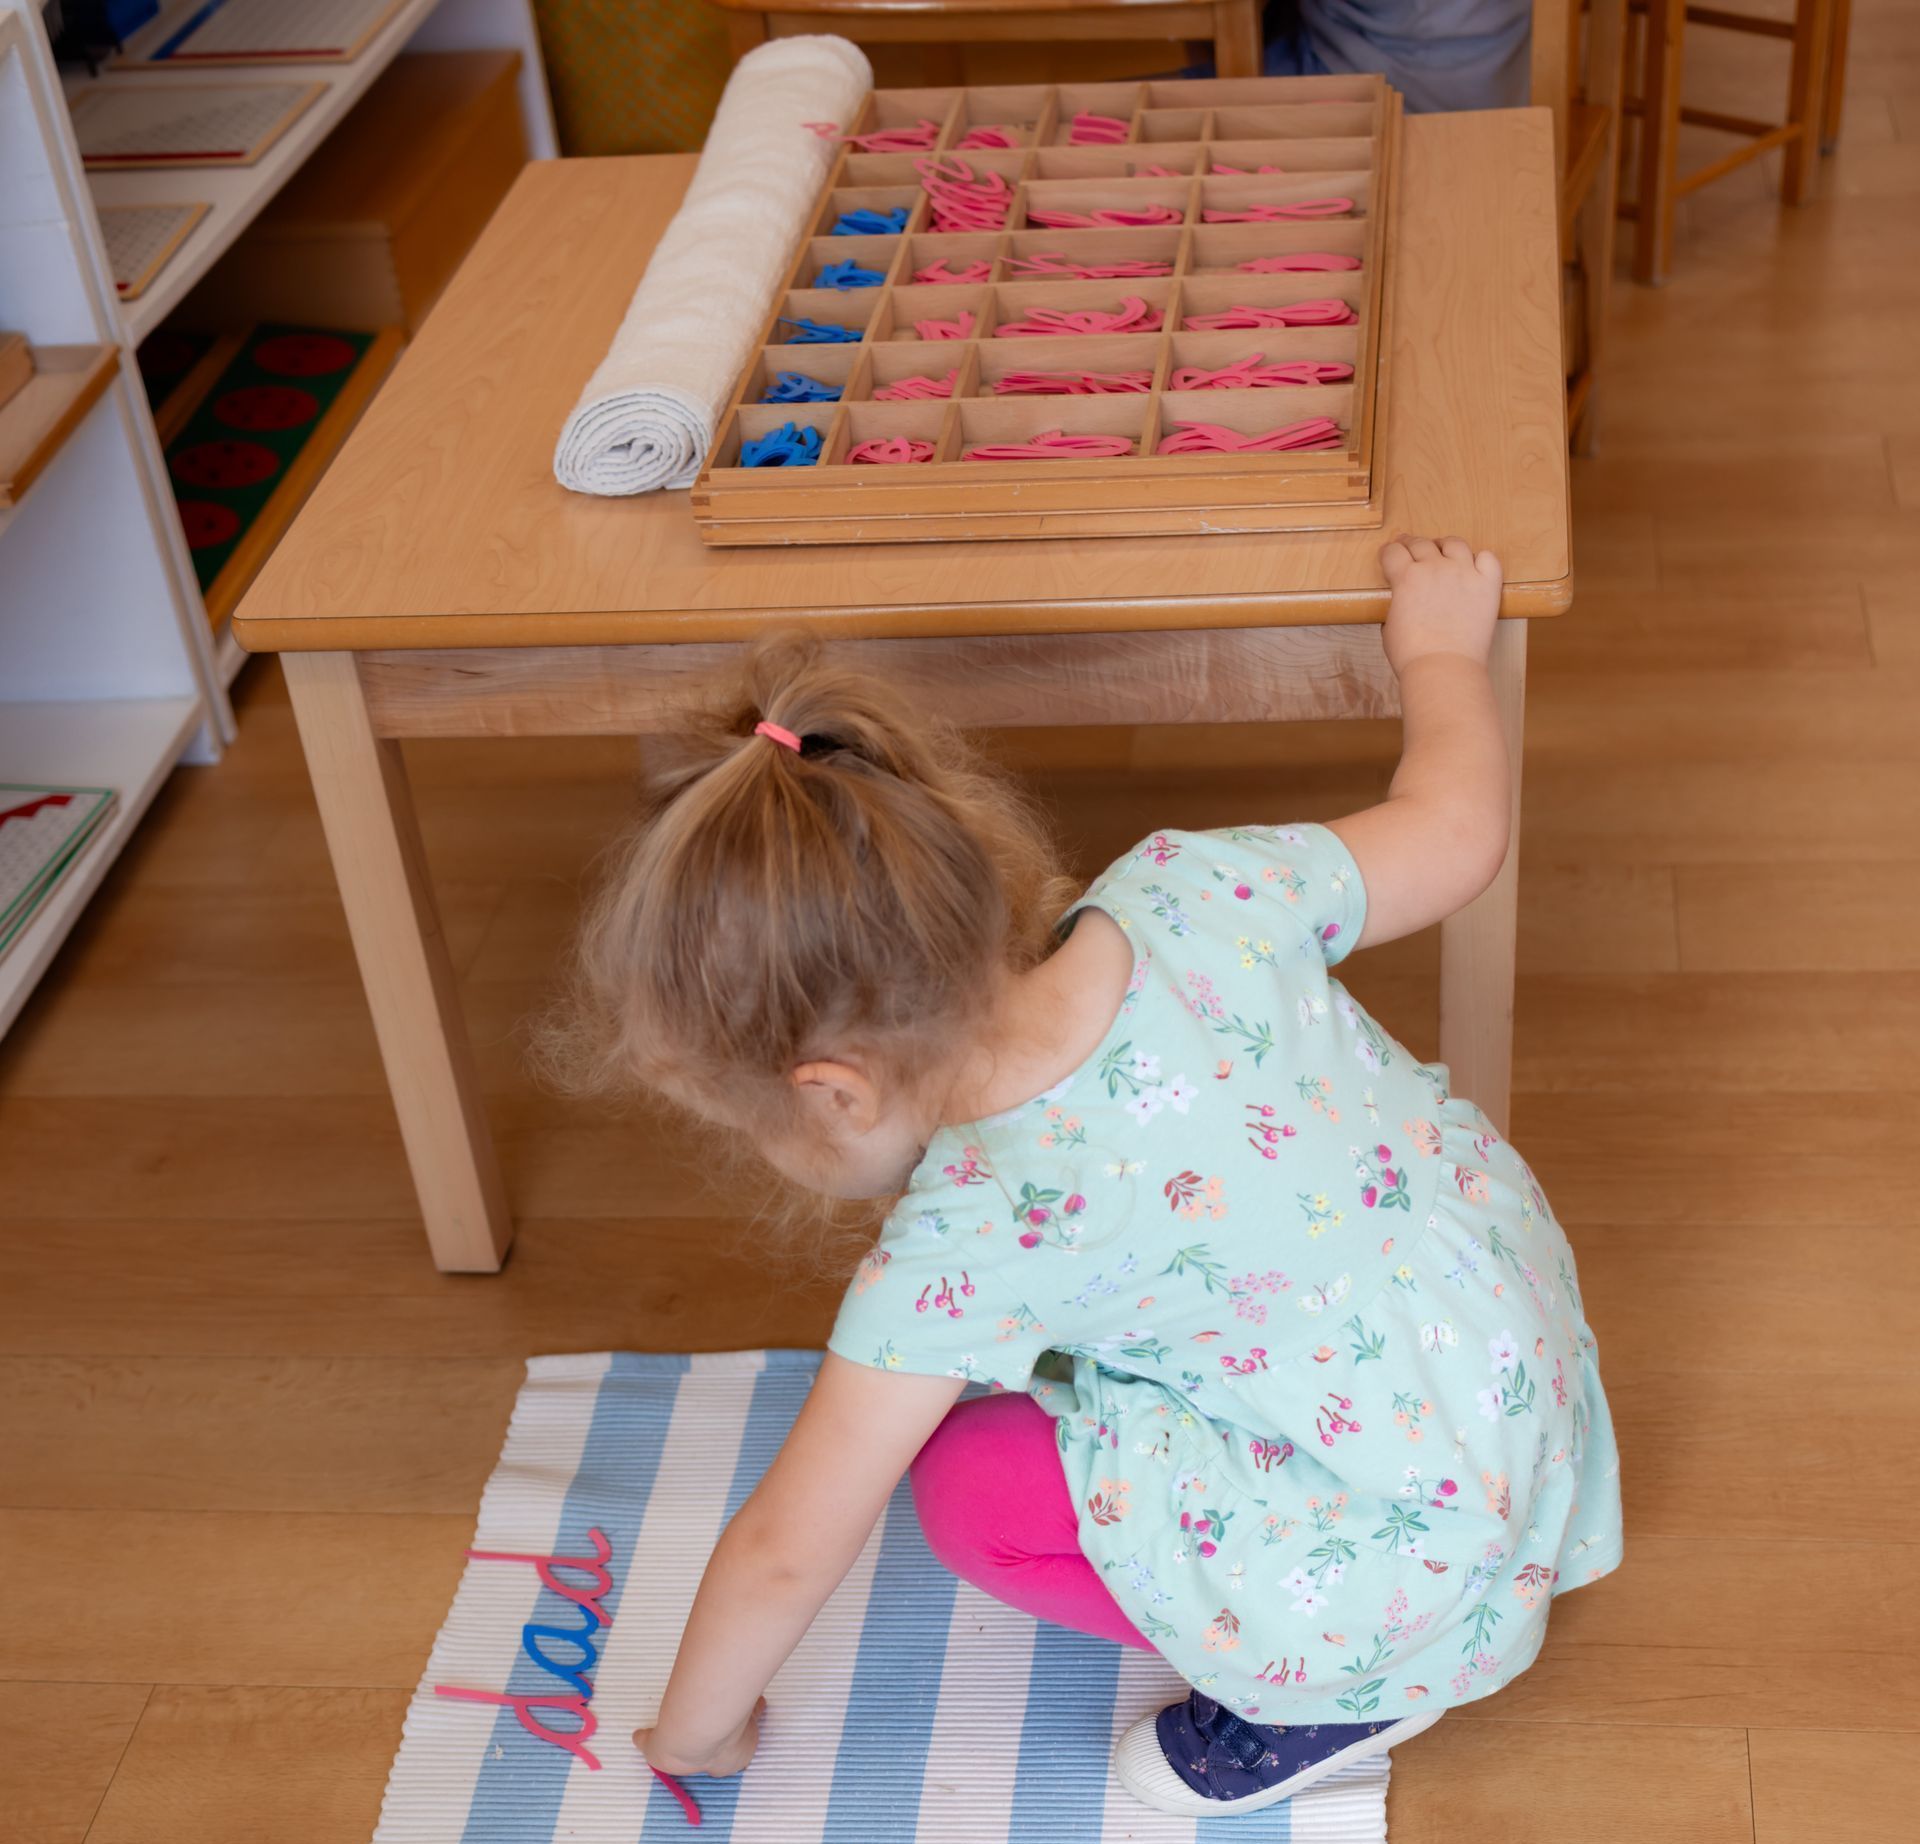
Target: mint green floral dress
<point x="1325" y="1395"/>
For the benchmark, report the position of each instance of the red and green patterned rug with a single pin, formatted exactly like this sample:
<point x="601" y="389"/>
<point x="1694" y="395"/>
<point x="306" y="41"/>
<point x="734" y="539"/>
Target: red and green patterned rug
<point x="237" y="446"/>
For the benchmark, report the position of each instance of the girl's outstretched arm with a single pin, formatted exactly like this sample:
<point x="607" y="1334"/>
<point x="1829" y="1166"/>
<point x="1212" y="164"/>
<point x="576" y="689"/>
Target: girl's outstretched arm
<point x="784" y="1553"/>
<point x="1440" y="836"/>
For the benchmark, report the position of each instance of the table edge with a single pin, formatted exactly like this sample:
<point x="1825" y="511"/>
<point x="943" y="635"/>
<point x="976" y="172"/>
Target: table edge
<point x="919" y="621"/>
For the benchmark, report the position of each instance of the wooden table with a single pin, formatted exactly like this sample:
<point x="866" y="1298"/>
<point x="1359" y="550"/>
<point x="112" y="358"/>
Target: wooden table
<point x="439" y="583"/>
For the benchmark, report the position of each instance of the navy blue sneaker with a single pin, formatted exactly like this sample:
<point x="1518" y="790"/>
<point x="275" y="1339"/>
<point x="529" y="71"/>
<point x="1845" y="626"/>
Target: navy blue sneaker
<point x="1198" y="1756"/>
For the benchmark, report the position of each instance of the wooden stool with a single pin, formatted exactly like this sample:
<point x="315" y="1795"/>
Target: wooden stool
<point x="1580" y="77"/>
<point x="1817" y="32"/>
<point x="1232" y="26"/>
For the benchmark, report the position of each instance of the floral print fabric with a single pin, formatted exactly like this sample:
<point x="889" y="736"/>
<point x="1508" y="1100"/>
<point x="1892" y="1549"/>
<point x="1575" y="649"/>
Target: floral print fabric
<point x="1312" y="1339"/>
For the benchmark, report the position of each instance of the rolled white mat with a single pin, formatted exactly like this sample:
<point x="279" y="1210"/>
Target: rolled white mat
<point x="647" y="417"/>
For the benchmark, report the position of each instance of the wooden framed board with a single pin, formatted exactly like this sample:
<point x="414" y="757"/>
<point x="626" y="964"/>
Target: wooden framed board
<point x="42" y="831"/>
<point x="1207" y="158"/>
<point x="197" y="33"/>
<point x="121" y="126"/>
<point x="141" y="240"/>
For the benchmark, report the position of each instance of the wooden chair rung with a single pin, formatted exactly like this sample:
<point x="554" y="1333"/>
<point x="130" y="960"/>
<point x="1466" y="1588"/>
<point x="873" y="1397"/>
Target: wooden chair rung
<point x="1722" y="20"/>
<point x="1727" y="163"/>
<point x="1589" y="128"/>
<point x="1579" y="391"/>
<point x="1727" y="124"/>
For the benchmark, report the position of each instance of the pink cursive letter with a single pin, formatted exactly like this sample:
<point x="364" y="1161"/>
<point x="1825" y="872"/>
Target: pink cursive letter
<point x="523" y="1707"/>
<point x="545" y="1566"/>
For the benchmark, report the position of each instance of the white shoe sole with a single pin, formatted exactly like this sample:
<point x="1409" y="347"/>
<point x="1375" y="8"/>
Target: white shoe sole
<point x="1144" y="1770"/>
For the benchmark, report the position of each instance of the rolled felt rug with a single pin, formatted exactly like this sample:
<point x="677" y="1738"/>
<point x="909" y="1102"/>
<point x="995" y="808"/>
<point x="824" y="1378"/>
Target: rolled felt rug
<point x="648" y="414"/>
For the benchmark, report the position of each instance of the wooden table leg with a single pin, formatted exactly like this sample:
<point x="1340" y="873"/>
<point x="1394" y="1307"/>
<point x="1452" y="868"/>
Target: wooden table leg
<point x="1477" y="945"/>
<point x="366" y="806"/>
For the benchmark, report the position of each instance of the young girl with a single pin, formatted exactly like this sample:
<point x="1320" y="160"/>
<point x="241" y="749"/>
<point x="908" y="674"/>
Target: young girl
<point x="1297" y="1389"/>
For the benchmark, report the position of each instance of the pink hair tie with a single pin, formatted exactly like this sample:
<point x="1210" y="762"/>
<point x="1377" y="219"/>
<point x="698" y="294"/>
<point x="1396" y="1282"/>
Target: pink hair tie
<point x="1294" y="314"/>
<point x="1280" y="214"/>
<point x="897" y="451"/>
<point x="774" y="733"/>
<point x="913" y="389"/>
<point x="1054" y="445"/>
<point x="989" y="135"/>
<point x="1300" y="262"/>
<point x="1314" y="432"/>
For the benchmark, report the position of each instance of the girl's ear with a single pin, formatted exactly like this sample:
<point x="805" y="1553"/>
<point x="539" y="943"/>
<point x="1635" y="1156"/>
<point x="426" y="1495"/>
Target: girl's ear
<point x="838" y="1099"/>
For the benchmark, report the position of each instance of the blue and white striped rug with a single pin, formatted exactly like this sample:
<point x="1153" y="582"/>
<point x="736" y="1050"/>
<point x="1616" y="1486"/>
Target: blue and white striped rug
<point x="916" y="1710"/>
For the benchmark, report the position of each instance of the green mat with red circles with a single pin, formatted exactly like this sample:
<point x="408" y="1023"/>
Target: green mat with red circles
<point x="237" y="446"/>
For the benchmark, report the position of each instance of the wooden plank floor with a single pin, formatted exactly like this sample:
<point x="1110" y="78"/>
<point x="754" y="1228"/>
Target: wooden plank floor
<point x="246" y="1424"/>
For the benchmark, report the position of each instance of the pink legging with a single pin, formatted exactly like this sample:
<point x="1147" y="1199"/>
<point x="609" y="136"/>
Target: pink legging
<point x="996" y="1511"/>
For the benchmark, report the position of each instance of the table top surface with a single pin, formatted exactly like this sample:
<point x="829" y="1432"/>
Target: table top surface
<point x="441" y="524"/>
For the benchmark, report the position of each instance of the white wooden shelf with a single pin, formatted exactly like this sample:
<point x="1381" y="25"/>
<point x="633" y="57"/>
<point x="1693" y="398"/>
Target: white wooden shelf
<point x="126" y="743"/>
<point x="108" y="667"/>
<point x="67" y="382"/>
<point x="237" y="195"/>
<point x="105" y="664"/>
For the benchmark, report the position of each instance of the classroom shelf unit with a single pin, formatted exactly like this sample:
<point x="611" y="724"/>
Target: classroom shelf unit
<point x="236" y="195"/>
<point x="110" y="671"/>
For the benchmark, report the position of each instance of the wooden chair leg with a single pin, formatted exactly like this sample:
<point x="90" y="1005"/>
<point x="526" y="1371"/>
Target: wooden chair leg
<point x="1806" y="98"/>
<point x="1835" y="99"/>
<point x="1236" y="38"/>
<point x="1659" y="140"/>
<point x="1553" y="80"/>
<point x="366" y="807"/>
<point x="1593" y="229"/>
<point x="1477" y="945"/>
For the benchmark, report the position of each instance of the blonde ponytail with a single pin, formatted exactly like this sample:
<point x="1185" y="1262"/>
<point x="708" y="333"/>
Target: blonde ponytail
<point x="773" y="903"/>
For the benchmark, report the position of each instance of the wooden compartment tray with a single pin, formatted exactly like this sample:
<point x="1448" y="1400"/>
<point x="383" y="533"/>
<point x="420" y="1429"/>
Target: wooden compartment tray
<point x="1281" y="141"/>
